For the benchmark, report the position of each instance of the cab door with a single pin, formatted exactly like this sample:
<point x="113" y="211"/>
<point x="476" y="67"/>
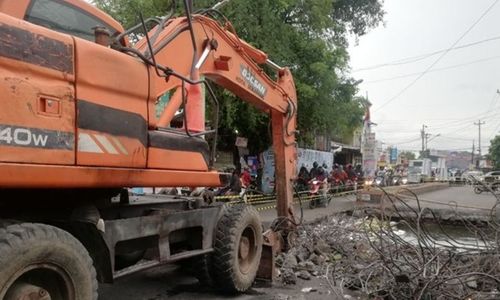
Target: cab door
<point x="112" y="91"/>
<point x="111" y="88"/>
<point x="37" y="95"/>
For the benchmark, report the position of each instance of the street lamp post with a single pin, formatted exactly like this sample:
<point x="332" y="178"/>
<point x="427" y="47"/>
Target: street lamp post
<point x="427" y="140"/>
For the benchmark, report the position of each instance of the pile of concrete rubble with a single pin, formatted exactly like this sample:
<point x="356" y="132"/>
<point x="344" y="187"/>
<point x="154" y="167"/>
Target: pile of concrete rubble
<point x="319" y="245"/>
<point x="372" y="257"/>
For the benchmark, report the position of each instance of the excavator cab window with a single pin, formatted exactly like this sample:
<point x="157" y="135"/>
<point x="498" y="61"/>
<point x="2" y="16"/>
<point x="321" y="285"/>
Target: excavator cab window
<point x="63" y="17"/>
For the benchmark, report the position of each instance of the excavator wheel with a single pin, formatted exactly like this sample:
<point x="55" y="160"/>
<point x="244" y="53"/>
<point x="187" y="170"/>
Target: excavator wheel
<point x="44" y="262"/>
<point x="200" y="268"/>
<point x="237" y="249"/>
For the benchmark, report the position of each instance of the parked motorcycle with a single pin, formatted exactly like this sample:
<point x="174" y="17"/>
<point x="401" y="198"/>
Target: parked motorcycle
<point x="483" y="187"/>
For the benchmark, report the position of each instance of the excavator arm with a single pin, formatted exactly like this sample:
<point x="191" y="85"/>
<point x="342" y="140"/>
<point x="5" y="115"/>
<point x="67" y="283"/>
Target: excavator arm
<point x="185" y="51"/>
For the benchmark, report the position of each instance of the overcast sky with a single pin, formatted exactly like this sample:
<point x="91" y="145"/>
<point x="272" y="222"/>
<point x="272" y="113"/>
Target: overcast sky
<point x="447" y="101"/>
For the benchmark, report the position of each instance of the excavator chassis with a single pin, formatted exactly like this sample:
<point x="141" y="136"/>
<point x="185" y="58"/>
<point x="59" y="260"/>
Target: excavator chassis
<point x="163" y="228"/>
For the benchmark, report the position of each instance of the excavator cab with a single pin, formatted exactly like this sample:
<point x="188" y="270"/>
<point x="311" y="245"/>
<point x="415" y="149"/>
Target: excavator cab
<point x="103" y="104"/>
<point x="76" y="18"/>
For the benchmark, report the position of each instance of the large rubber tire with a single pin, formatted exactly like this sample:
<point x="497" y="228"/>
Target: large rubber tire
<point x="199" y="267"/>
<point x="237" y="249"/>
<point x="45" y="257"/>
<point x="477" y="190"/>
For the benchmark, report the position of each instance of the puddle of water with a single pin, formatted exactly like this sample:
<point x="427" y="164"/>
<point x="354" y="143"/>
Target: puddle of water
<point x="457" y="237"/>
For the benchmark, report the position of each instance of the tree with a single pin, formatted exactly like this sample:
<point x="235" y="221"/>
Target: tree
<point x="310" y="37"/>
<point x="494" y="152"/>
<point x="408" y="155"/>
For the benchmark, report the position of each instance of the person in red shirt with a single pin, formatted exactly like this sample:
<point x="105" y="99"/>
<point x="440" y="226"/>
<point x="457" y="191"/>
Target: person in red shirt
<point x="336" y="174"/>
<point x="246" y="178"/>
<point x="343" y="175"/>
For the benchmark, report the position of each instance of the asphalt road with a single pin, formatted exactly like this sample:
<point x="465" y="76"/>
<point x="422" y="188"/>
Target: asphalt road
<point x="166" y="282"/>
<point x="462" y="198"/>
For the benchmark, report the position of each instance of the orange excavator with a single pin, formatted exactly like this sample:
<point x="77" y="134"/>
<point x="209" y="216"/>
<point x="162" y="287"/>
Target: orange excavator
<point x="89" y="109"/>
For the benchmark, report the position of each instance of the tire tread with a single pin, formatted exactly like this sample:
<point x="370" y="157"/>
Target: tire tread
<point x="226" y="240"/>
<point x="14" y="234"/>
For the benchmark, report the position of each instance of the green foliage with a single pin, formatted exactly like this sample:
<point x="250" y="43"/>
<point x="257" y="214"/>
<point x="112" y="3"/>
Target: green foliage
<point x="494" y="152"/>
<point x="309" y="36"/>
<point x="408" y="155"/>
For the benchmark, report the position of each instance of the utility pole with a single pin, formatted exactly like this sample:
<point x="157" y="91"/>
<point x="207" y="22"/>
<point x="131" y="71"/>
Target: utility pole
<point x="427" y="135"/>
<point x="472" y="155"/>
<point x="423" y="135"/>
<point x="479" y="123"/>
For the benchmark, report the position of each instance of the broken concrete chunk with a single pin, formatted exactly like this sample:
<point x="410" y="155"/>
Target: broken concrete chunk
<point x="304" y="275"/>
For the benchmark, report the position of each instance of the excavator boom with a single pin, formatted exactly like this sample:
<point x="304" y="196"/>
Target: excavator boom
<point x="200" y="47"/>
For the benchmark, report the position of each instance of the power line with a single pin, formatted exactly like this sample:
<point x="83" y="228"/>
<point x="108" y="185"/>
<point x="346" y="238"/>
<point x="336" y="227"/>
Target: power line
<point x="452" y="122"/>
<point x="445" y="120"/>
<point x="435" y="70"/>
<point x="459" y="129"/>
<point x="451" y="150"/>
<point x="439" y="58"/>
<point x="416" y="58"/>
<point x="484" y="116"/>
<point x="495" y="131"/>
<point x="492" y="101"/>
<point x="406" y="142"/>
<point x="455" y="138"/>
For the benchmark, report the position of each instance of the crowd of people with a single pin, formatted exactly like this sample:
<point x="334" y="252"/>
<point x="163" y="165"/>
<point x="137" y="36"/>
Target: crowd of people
<point x="339" y="175"/>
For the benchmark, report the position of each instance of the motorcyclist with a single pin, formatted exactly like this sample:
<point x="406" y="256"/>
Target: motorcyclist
<point x="335" y="174"/>
<point x="388" y="176"/>
<point x="314" y="170"/>
<point x="350" y="172"/>
<point x="359" y="171"/>
<point x="337" y="178"/>
<point x="343" y="175"/>
<point x="303" y="178"/>
<point x="235" y="183"/>
<point x="321" y="174"/>
<point x="381" y="173"/>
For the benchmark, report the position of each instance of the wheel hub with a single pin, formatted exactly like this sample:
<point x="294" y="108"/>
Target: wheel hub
<point x="247" y="250"/>
<point x="25" y="291"/>
<point x="244" y="247"/>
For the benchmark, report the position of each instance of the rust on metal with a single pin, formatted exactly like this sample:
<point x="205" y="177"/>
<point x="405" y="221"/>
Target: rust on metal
<point x="272" y="245"/>
<point x="267" y="269"/>
<point x="26" y="46"/>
